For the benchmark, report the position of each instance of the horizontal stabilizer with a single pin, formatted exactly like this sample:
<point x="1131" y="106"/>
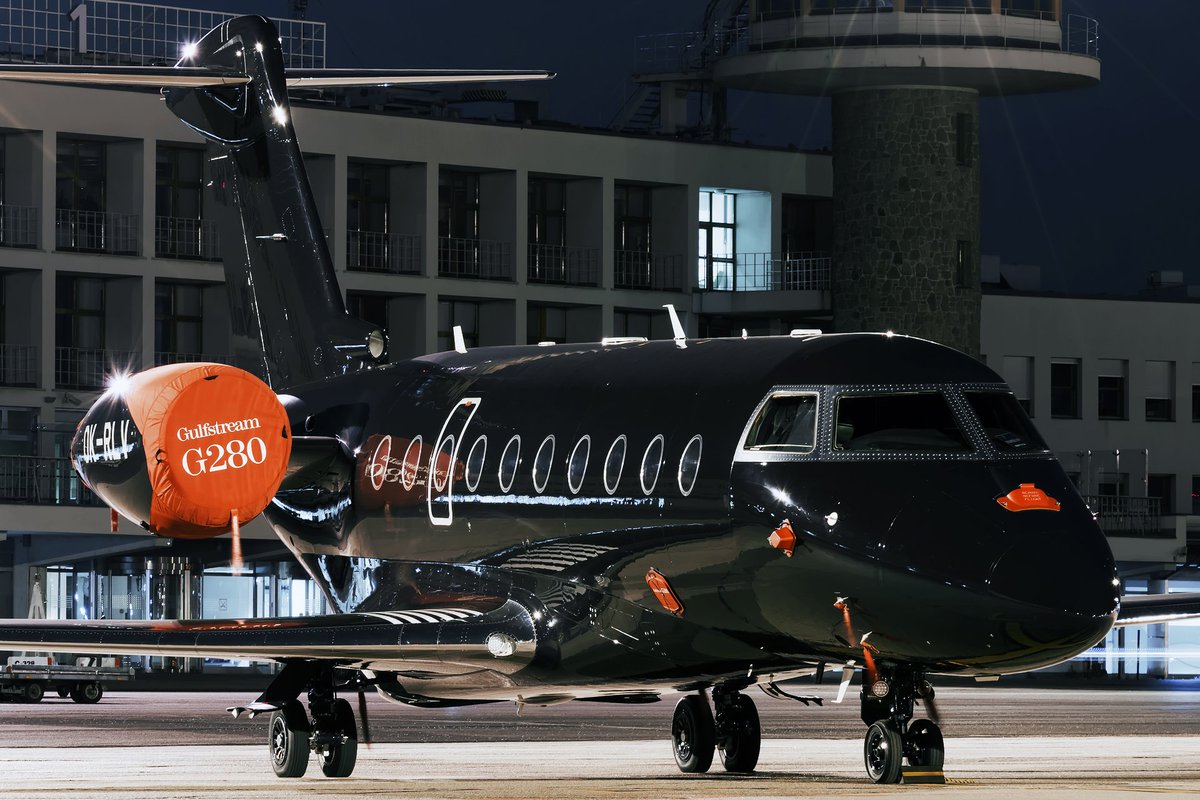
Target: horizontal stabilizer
<point x="200" y="77"/>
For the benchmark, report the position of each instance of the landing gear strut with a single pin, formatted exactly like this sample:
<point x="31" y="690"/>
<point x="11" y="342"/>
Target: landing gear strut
<point x="735" y="731"/>
<point x="328" y="729"/>
<point x="887" y="708"/>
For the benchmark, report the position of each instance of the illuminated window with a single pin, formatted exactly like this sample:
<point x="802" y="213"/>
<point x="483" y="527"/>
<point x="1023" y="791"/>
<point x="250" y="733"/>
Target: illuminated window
<point x="718" y="224"/>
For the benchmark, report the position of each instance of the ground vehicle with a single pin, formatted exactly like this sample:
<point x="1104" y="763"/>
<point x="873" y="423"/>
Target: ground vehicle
<point x="27" y="678"/>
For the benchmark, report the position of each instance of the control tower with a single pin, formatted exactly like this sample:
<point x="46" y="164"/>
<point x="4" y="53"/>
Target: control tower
<point x="905" y="78"/>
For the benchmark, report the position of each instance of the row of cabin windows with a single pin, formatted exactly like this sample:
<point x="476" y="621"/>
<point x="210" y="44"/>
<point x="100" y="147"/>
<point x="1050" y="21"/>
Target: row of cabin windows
<point x="1112" y="388"/>
<point x="576" y="464"/>
<point x="918" y="421"/>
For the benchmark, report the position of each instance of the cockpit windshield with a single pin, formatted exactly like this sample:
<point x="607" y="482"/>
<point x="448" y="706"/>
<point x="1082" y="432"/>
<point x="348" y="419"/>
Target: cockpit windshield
<point x="787" y="422"/>
<point x="1005" y="422"/>
<point x="902" y="422"/>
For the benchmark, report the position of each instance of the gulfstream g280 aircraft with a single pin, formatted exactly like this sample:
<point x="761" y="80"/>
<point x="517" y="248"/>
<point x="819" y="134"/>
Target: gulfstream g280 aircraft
<point x="617" y="521"/>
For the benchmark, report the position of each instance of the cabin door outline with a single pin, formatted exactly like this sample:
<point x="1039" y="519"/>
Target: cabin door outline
<point x="463" y="410"/>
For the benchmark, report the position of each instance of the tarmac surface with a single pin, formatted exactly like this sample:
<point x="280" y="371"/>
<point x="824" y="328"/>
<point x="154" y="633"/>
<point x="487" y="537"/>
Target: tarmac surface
<point x="1002" y="742"/>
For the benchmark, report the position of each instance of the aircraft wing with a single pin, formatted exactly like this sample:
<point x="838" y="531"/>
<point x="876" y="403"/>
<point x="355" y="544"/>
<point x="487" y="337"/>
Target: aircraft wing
<point x="437" y="640"/>
<point x="1148" y="609"/>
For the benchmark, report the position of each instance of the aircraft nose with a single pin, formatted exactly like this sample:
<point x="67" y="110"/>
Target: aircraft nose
<point x="1073" y="580"/>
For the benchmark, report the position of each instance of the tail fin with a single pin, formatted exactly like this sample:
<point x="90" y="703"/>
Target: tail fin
<point x="286" y="309"/>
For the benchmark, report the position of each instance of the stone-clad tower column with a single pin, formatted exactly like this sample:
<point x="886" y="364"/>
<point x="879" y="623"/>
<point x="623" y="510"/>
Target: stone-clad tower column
<point x="906" y="78"/>
<point x="906" y="213"/>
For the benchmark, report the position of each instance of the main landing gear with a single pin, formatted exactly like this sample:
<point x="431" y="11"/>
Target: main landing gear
<point x="328" y="730"/>
<point x="696" y="733"/>
<point x="892" y="735"/>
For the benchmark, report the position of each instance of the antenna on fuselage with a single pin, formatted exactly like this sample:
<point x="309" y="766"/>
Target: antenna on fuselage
<point x="677" y="331"/>
<point x="460" y="343"/>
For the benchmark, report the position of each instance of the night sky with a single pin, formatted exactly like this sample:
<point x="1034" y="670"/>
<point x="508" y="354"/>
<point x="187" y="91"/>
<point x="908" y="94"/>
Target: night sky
<point x="1097" y="187"/>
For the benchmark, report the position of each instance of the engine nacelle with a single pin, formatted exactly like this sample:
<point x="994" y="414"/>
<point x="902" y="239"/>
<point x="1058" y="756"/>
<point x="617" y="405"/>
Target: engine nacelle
<point x="181" y="449"/>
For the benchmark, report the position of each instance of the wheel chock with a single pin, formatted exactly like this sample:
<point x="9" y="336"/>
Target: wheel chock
<point x="922" y="775"/>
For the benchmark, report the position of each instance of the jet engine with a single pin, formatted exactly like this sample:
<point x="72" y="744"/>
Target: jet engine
<point x="185" y="450"/>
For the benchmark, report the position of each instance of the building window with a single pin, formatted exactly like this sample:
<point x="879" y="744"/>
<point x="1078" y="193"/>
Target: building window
<point x="458" y="204"/>
<point x="368" y="196"/>
<point x="1196" y="494"/>
<point x="179" y="182"/>
<point x="806" y="226"/>
<point x="80" y="195"/>
<point x="546" y="324"/>
<point x="547" y="211"/>
<point x="1064" y="388"/>
<point x="18" y="437"/>
<point x="1160" y="391"/>
<point x="1112" y="389"/>
<point x="716" y="247"/>
<point x="964" y="272"/>
<point x="178" y="318"/>
<point x="1163" y="488"/>
<point x="463" y="313"/>
<point x="1018" y="374"/>
<point x="631" y="236"/>
<point x="964" y="137"/>
<point x="629" y="322"/>
<point x="79" y="312"/>
<point x="369" y="307"/>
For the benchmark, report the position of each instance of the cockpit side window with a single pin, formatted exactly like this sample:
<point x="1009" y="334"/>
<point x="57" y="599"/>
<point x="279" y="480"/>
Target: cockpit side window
<point x="787" y="423"/>
<point x="897" y="422"/>
<point x="1005" y="422"/>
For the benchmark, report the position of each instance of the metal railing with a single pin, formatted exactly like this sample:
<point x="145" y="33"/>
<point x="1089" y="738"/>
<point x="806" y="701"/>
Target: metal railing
<point x="97" y="232"/>
<point x="19" y="364"/>
<point x="636" y="269"/>
<point x="1118" y="515"/>
<point x="572" y="266"/>
<point x="87" y="368"/>
<point x="184" y="237"/>
<point x="19" y="226"/>
<point x="474" y="258"/>
<point x="863" y="27"/>
<point x="163" y="357"/>
<point x="36" y="480"/>
<point x="763" y="272"/>
<point x="119" y="32"/>
<point x="397" y="253"/>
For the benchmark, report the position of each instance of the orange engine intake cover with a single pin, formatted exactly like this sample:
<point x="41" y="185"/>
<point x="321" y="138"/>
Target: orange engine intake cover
<point x="216" y="441"/>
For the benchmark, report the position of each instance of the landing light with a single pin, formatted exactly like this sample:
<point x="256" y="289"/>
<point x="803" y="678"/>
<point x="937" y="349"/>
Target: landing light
<point x="880" y="688"/>
<point x="501" y="645"/>
<point x="118" y="383"/>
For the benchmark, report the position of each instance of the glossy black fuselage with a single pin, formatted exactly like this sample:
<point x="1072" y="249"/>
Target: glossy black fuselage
<point x="939" y="573"/>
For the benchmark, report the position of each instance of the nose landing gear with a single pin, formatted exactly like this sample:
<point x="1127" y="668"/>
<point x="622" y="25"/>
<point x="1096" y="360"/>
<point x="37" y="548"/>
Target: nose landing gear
<point x="735" y="731"/>
<point x="887" y="708"/>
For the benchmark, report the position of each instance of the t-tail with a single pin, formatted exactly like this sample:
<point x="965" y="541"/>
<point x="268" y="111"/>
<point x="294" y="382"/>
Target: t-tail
<point x="289" y="322"/>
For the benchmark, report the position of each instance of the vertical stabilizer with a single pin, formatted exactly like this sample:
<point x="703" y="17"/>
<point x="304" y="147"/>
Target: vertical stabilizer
<point x="287" y="313"/>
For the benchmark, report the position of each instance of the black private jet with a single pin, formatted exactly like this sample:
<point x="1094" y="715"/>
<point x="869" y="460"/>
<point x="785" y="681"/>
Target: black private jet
<point x="618" y="521"/>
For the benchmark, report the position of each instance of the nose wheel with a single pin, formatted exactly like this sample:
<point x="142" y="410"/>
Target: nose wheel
<point x="892" y="735"/>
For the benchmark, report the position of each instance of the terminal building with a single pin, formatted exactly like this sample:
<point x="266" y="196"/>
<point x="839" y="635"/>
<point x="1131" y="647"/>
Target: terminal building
<point x="517" y="231"/>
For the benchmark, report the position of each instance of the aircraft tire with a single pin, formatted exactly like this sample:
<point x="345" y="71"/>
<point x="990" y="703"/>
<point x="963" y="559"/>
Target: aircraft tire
<point x="924" y="745"/>
<point x="87" y="693"/>
<point x="883" y="752"/>
<point x="340" y="759"/>
<point x="742" y="742"/>
<point x="288" y="741"/>
<point x="693" y="734"/>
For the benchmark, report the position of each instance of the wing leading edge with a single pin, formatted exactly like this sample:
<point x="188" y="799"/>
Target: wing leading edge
<point x="1154" y="608"/>
<point x="432" y="639"/>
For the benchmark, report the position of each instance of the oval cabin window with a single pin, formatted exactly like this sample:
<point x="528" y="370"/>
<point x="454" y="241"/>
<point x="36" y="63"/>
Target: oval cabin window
<point x="652" y="464"/>
<point x="475" y="461"/>
<point x="689" y="465"/>
<point x="614" y="464"/>
<point x="577" y="464"/>
<point x="542" y="463"/>
<point x="510" y="459"/>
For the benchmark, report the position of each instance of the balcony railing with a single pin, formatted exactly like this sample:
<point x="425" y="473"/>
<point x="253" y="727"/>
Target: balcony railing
<point x="19" y="226"/>
<point x="573" y="266"/>
<point x="184" y="237"/>
<point x="1128" y="516"/>
<point x="97" y="232"/>
<point x="763" y="272"/>
<point x="43" y="481"/>
<point x="474" y="258"/>
<point x="87" y="368"/>
<point x="397" y="253"/>
<point x="19" y="364"/>
<point x="162" y="357"/>
<point x="635" y="269"/>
